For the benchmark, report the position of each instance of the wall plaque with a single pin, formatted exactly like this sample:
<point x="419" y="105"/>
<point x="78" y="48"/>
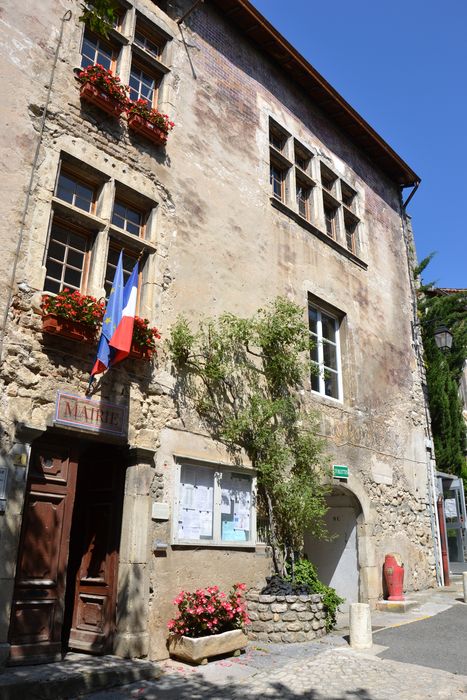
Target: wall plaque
<point x="90" y="415"/>
<point x="340" y="471"/>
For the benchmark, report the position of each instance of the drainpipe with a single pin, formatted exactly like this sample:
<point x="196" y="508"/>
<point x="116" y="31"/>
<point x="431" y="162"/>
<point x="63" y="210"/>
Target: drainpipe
<point x="66" y="18"/>
<point x="430" y="460"/>
<point x="188" y="12"/>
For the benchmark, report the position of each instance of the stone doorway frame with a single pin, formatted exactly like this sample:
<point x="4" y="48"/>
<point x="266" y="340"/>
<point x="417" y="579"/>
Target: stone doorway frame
<point x="132" y="636"/>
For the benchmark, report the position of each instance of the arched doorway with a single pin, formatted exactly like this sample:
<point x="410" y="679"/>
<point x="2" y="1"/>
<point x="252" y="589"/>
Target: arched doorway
<point x="337" y="559"/>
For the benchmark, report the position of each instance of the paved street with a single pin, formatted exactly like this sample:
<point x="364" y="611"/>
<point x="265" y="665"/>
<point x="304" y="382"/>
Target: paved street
<point x="334" y="674"/>
<point x="437" y="642"/>
<point x="417" y="655"/>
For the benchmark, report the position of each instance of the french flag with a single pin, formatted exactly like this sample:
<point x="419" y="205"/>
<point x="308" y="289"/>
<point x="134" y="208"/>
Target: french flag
<point x="120" y="341"/>
<point x="112" y="317"/>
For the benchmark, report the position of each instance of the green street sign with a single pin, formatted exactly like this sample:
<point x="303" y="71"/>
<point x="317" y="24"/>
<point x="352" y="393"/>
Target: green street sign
<point x="340" y="471"/>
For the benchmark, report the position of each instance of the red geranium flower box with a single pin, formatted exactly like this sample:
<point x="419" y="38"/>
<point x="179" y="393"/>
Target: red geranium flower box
<point x="98" y="98"/>
<point x="145" y="128"/>
<point x="74" y="330"/>
<point x="139" y="353"/>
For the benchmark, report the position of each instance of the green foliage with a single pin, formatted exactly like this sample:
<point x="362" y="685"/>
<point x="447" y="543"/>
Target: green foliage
<point x="443" y="373"/>
<point x="99" y="15"/>
<point x="245" y="379"/>
<point x="305" y="573"/>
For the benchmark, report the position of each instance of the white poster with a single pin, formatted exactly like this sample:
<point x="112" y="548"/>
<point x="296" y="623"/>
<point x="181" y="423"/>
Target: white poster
<point x="205" y="522"/>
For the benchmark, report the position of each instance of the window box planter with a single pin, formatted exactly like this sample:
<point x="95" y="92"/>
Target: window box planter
<point x="198" y="650"/>
<point x="73" y="330"/>
<point x="145" y="128"/>
<point x="89" y="93"/>
<point x="139" y="353"/>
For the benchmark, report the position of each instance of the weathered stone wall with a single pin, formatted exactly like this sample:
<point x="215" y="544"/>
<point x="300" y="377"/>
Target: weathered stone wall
<point x="219" y="246"/>
<point x="291" y="618"/>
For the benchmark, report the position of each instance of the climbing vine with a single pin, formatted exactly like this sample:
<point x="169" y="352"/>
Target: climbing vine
<point x="99" y="15"/>
<point x="443" y="372"/>
<point x="244" y="378"/>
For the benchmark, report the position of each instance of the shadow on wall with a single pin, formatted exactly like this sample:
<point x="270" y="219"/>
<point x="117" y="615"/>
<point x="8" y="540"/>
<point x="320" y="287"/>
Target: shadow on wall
<point x="10" y="522"/>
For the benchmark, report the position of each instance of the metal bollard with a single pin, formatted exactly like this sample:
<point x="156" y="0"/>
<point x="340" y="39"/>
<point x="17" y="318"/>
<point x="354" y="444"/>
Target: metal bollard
<point x="464" y="581"/>
<point x="360" y="626"/>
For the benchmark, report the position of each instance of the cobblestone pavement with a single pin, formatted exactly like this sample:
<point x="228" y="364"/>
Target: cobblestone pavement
<point x="321" y="672"/>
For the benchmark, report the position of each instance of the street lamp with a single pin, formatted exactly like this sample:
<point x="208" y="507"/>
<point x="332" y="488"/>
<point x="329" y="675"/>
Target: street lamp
<point x="443" y="338"/>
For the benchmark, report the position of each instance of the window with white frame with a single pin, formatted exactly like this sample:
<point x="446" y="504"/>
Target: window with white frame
<point x="325" y="354"/>
<point x="214" y="505"/>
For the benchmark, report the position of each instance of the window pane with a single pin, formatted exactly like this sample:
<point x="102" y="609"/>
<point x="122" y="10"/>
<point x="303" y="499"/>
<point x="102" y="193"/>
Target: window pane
<point x="94" y="50"/>
<point x="72" y="278"/>
<point x="330" y="355"/>
<point x="76" y="241"/>
<point x="315" y="382"/>
<point x="56" y="251"/>
<point x="54" y="270"/>
<point x="314" y="351"/>
<point x="51" y="286"/>
<point x="65" y="249"/>
<point x="330" y="384"/>
<point x="65" y="188"/>
<point x="196" y="503"/>
<point x="75" y="259"/>
<point x="235" y="507"/>
<point x="329" y="327"/>
<point x="313" y="319"/>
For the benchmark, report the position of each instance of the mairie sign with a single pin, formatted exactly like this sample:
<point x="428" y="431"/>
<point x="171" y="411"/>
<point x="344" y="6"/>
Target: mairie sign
<point x="87" y="414"/>
<point x="340" y="471"/>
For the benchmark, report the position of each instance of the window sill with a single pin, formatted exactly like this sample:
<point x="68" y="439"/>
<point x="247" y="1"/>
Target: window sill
<point x="116" y="35"/>
<point x="76" y="215"/>
<point x="285" y="209"/>
<point x="130" y="240"/>
<point x="329" y="400"/>
<point x="149" y="59"/>
<point x="216" y="545"/>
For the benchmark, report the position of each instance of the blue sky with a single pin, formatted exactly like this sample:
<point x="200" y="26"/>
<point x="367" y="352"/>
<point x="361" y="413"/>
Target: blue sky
<point x="403" y="66"/>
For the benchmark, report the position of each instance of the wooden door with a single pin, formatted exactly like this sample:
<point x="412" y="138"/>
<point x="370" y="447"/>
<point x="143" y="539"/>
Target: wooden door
<point x="96" y="539"/>
<point x="38" y="599"/>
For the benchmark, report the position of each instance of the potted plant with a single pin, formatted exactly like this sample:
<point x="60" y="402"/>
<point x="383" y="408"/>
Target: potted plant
<point x="72" y="315"/>
<point x="148" y="122"/>
<point x="103" y="89"/>
<point x="209" y="623"/>
<point x="143" y="344"/>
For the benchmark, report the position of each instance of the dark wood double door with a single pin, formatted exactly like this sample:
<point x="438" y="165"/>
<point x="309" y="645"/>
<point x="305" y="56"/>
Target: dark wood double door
<point x="66" y="578"/>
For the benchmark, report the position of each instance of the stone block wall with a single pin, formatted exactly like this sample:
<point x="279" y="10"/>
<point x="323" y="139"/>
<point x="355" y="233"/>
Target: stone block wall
<point x="291" y="618"/>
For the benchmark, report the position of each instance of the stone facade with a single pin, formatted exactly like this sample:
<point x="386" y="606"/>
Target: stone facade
<point x="215" y="240"/>
<point x="286" y="619"/>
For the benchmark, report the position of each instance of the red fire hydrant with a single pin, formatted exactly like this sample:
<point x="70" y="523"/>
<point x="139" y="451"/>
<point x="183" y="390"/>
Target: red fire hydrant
<point x="394" y="576"/>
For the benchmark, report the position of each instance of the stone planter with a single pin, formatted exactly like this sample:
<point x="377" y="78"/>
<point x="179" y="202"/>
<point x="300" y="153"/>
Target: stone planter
<point x="146" y="129"/>
<point x="291" y="618"/>
<point x="89" y="93"/>
<point x="198" y="650"/>
<point x="57" y="325"/>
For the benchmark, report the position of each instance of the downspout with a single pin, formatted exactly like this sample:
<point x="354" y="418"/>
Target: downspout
<point x="66" y="18"/>
<point x="432" y="499"/>
<point x="189" y="11"/>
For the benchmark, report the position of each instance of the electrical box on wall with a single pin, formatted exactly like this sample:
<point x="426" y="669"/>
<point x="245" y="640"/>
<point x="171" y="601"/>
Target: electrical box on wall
<point x="160" y="511"/>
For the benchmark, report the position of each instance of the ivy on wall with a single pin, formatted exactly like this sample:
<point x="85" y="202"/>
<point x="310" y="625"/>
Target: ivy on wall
<point x="443" y="372"/>
<point x="244" y="378"/>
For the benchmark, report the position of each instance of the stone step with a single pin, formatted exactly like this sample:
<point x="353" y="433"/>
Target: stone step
<point x="76" y="675"/>
<point x="396" y="606"/>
